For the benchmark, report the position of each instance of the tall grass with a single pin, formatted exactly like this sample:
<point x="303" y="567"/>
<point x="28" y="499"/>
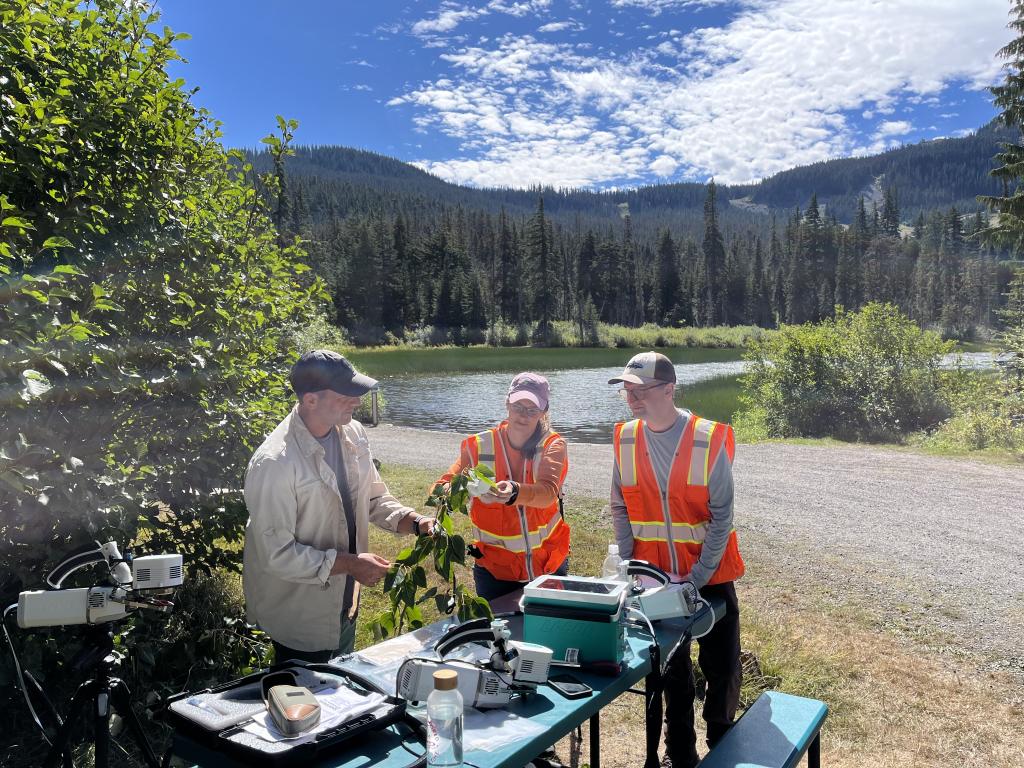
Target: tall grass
<point x="717" y="398"/>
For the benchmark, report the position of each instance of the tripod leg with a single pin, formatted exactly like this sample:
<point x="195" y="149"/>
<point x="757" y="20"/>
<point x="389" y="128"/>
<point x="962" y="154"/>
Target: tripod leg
<point x="121" y="700"/>
<point x="60" y="747"/>
<point x="101" y="727"/>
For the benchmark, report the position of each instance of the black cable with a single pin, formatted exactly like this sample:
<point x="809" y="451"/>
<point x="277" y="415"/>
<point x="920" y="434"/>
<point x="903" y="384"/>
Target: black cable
<point x="21" y="676"/>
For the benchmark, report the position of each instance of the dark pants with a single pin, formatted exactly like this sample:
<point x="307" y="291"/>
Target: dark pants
<point x="490" y="588"/>
<point x="347" y="644"/>
<point x="718" y="654"/>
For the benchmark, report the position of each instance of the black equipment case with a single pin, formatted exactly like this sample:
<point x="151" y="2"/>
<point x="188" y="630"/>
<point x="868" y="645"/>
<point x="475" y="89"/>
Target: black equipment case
<point x="243" y="747"/>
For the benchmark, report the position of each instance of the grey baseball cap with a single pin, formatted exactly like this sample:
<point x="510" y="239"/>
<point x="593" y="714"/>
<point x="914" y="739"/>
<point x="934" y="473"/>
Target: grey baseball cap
<point x="323" y="369"/>
<point x="647" y="368"/>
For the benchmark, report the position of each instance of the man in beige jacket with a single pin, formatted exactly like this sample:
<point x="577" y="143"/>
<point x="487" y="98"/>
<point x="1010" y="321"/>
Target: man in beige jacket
<point x="312" y="489"/>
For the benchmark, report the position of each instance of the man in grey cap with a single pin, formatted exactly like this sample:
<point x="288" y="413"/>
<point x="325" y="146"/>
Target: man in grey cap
<point x="672" y="505"/>
<point x="312" y="489"/>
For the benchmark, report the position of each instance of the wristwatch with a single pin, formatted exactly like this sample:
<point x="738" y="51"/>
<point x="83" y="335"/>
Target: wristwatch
<point x="515" y="494"/>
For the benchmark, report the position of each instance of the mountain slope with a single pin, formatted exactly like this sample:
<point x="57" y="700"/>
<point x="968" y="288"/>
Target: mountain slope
<point x="930" y="175"/>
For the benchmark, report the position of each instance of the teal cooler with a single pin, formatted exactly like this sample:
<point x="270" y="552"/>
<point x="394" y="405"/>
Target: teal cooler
<point x="576" y="633"/>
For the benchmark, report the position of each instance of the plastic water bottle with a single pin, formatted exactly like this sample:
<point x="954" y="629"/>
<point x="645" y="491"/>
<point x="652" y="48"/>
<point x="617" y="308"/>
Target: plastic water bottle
<point x="610" y="567"/>
<point x="444" y="721"/>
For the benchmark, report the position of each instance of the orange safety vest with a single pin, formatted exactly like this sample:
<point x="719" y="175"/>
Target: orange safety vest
<point x="518" y="543"/>
<point x="669" y="530"/>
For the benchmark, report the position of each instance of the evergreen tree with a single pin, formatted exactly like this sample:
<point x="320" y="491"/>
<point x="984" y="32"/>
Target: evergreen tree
<point x="667" y="293"/>
<point x="890" y="219"/>
<point x="1009" y="97"/>
<point x="542" y="282"/>
<point x="711" y="283"/>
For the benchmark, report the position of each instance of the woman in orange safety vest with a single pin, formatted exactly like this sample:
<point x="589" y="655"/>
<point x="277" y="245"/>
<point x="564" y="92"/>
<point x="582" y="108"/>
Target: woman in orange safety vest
<point x="518" y="528"/>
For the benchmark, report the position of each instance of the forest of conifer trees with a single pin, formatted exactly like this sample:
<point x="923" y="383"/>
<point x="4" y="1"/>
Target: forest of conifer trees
<point x="423" y="264"/>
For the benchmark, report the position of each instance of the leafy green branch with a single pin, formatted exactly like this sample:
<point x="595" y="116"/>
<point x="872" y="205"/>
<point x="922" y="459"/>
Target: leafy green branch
<point x="405" y="584"/>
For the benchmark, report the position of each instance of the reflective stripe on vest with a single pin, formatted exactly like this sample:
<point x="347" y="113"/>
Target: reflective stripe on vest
<point x="703" y="429"/>
<point x="626" y="449"/>
<point x="516" y="542"/>
<point x="485" y="449"/>
<point x="681" y="532"/>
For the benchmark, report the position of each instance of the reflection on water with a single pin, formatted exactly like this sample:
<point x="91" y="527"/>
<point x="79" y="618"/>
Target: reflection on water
<point x="583" y="405"/>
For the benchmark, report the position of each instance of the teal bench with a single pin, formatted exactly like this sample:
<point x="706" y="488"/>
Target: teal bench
<point x="775" y="732"/>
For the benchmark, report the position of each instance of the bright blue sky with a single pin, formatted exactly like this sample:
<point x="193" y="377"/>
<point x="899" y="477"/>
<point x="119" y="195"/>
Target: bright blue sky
<point x="596" y="94"/>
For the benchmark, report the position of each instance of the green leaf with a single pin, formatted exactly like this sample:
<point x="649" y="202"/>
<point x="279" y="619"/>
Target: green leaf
<point x="17" y="221"/>
<point x="430" y="594"/>
<point x="68" y="269"/>
<point x="458" y="549"/>
<point x="57" y="242"/>
<point x="419" y="576"/>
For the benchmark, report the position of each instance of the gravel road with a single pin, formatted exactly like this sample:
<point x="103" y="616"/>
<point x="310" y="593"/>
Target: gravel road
<point x="931" y="548"/>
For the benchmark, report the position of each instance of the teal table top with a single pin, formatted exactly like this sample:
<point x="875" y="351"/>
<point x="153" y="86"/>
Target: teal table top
<point x="557" y="714"/>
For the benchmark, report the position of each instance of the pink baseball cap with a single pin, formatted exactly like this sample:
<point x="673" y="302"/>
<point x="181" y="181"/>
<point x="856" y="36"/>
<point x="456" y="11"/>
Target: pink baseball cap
<point x="532" y="387"/>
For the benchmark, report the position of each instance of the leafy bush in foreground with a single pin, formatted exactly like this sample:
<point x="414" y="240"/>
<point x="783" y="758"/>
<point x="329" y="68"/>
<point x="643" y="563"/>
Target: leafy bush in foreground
<point x="143" y="297"/>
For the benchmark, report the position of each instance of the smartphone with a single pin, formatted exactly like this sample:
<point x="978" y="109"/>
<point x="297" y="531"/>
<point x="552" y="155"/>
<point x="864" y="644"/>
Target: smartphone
<point x="569" y="686"/>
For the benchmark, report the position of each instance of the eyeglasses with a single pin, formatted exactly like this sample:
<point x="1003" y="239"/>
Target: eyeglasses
<point x="522" y="410"/>
<point x="637" y="393"/>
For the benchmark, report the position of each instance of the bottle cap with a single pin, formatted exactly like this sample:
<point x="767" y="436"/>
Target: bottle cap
<point x="613" y="549"/>
<point x="446" y="680"/>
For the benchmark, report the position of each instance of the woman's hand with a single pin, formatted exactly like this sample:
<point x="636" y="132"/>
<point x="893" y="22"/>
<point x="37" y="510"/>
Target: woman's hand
<point x="501" y="494"/>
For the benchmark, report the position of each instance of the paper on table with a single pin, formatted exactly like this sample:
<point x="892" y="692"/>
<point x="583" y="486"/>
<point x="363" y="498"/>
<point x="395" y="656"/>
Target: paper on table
<point x="490" y="730"/>
<point x="337" y="706"/>
<point x="397" y="648"/>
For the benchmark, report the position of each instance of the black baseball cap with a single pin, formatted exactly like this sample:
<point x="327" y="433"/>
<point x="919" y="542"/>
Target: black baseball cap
<point x="323" y="369"/>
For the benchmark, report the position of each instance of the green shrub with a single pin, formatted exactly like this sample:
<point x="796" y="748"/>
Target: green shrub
<point x="869" y="375"/>
<point x="145" y="302"/>
<point x="317" y="333"/>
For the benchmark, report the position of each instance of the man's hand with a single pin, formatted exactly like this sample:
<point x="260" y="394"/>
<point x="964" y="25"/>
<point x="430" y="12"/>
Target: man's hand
<point x="426" y="526"/>
<point x="366" y="568"/>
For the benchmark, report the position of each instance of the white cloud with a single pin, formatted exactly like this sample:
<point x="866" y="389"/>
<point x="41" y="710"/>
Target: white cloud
<point x="657" y="6"/>
<point x="664" y="166"/>
<point x="770" y="90"/>
<point x="445" y="21"/>
<point x="893" y="128"/>
<point x="450" y="15"/>
<point x="561" y="26"/>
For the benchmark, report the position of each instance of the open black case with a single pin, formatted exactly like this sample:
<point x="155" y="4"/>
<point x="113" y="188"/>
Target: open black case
<point x="213" y="718"/>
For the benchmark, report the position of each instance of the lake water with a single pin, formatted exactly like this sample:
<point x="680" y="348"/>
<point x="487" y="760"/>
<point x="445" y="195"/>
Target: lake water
<point x="583" y="405"/>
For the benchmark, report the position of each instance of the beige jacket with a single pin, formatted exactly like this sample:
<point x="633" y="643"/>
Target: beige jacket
<point x="297" y="528"/>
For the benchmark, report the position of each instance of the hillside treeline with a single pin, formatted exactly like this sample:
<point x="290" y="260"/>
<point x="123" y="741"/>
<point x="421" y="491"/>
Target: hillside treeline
<point x="418" y="268"/>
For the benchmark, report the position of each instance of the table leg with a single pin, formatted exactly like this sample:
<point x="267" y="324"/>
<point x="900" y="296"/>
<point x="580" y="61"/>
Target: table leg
<point x="814" y="753"/>
<point x="653" y="711"/>
<point x="595" y="740"/>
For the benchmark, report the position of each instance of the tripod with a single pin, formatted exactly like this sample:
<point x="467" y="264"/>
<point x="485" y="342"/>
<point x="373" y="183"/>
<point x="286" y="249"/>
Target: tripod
<point x="95" y="698"/>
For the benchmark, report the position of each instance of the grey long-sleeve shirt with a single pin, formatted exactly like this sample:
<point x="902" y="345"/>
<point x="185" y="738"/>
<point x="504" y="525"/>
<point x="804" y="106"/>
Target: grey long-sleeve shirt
<point x="662" y="446"/>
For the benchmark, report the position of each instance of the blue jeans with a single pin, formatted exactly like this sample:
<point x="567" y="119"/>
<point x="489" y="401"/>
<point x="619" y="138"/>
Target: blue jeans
<point x="490" y="588"/>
